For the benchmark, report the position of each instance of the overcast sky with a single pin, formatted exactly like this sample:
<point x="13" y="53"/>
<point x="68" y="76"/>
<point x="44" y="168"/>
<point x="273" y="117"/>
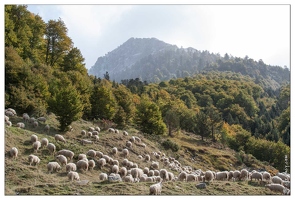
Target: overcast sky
<point x="259" y="31"/>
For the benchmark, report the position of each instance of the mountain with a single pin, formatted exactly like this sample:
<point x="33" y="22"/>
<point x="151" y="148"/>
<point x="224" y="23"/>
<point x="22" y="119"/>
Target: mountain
<point x="153" y="60"/>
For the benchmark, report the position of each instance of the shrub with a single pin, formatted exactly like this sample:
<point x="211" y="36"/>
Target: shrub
<point x="167" y="144"/>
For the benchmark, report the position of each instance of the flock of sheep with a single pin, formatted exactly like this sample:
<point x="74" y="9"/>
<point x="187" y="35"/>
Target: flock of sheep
<point x="122" y="169"/>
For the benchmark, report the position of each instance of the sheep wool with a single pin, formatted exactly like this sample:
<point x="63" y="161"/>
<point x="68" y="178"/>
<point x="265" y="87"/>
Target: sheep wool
<point x="156" y="189"/>
<point x="13" y="152"/>
<point x="71" y="167"/>
<point x="33" y="159"/>
<point x="276" y="187"/>
<point x="53" y="166"/>
<point x="73" y="176"/>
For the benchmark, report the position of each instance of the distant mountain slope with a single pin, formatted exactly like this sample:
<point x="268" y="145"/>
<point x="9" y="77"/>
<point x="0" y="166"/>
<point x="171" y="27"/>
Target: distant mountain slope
<point x="152" y="60"/>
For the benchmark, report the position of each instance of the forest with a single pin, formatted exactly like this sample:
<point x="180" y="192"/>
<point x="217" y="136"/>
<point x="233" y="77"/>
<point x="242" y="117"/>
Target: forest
<point x="45" y="73"/>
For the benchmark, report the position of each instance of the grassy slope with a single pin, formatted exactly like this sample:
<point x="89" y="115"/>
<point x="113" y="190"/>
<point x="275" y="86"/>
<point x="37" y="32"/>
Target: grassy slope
<point x="20" y="178"/>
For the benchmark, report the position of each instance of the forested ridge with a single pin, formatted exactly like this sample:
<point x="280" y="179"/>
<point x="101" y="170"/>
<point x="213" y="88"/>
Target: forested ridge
<point x="45" y="73"/>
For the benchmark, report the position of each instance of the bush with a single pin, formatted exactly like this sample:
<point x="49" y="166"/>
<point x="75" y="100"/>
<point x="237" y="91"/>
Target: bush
<point x="167" y="144"/>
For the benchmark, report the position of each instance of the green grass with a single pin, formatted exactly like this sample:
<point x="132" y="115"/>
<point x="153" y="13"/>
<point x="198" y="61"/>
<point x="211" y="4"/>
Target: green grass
<point x="22" y="179"/>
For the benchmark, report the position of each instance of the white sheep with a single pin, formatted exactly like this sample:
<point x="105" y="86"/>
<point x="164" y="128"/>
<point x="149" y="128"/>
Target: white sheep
<point x="146" y="170"/>
<point x="111" y="130"/>
<point x="156" y="189"/>
<point x="83" y="133"/>
<point x="256" y="176"/>
<point x="182" y="176"/>
<point x="47" y="128"/>
<point x="137" y="139"/>
<point x="34" y="138"/>
<point x="222" y="176"/>
<point x="67" y="153"/>
<point x="129" y="144"/>
<point x="20" y="125"/>
<point x="101" y="163"/>
<point x="191" y="178"/>
<point x="115" y="162"/>
<point x="8" y="123"/>
<point x="136" y="173"/>
<point x="125" y="153"/>
<point x="236" y="175"/>
<point x="35" y="124"/>
<point x="171" y="176"/>
<point x="115" y="169"/>
<point x="154" y="165"/>
<point x="129" y="179"/>
<point x="208" y="176"/>
<point x="244" y="174"/>
<point x="91" y="164"/>
<point x="230" y="175"/>
<point x="147" y="157"/>
<point x="41" y="119"/>
<point x="59" y="137"/>
<point x="276" y="179"/>
<point x="82" y="165"/>
<point x="103" y="176"/>
<point x="51" y="147"/>
<point x="96" y="137"/>
<point x="132" y="139"/>
<point x="36" y="145"/>
<point x="125" y="133"/>
<point x="164" y="174"/>
<point x="283" y="176"/>
<point x="276" y="187"/>
<point x="13" y="152"/>
<point x="33" y="159"/>
<point x="53" y="166"/>
<point x="140" y="157"/>
<point x="156" y="172"/>
<point x="31" y="120"/>
<point x="114" y="150"/>
<point x="95" y="133"/>
<point x="9" y="113"/>
<point x="117" y="131"/>
<point x="99" y="154"/>
<point x="73" y="176"/>
<point x="11" y="110"/>
<point x="107" y="158"/>
<point x="89" y="134"/>
<point x="62" y="159"/>
<point x="266" y="176"/>
<point x="91" y="153"/>
<point x="83" y="142"/>
<point x="71" y="167"/>
<point x="91" y="129"/>
<point x="26" y="117"/>
<point x="123" y="172"/>
<point x="129" y="165"/>
<point x="97" y="129"/>
<point x="6" y="118"/>
<point x="124" y="162"/>
<point x="81" y="156"/>
<point x="44" y="142"/>
<point x="142" y="145"/>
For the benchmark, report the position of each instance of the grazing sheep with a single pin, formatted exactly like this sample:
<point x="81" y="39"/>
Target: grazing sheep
<point x="83" y="142"/>
<point x="67" y="153"/>
<point x="140" y="157"/>
<point x="132" y="139"/>
<point x="154" y="165"/>
<point x="82" y="165"/>
<point x="230" y="175"/>
<point x="71" y="167"/>
<point x="123" y="171"/>
<point x="95" y="133"/>
<point x="222" y="176"/>
<point x="36" y="145"/>
<point x="11" y="110"/>
<point x="6" y="118"/>
<point x="26" y="117"/>
<point x="256" y="176"/>
<point x="35" y="124"/>
<point x="73" y="176"/>
<point x="89" y="134"/>
<point x="33" y="159"/>
<point x="59" y="137"/>
<point x="44" y="142"/>
<point x="236" y="175"/>
<point x="114" y="150"/>
<point x="62" y="159"/>
<point x="99" y="154"/>
<point x="283" y="176"/>
<point x="107" y="158"/>
<point x="208" y="176"/>
<point x="115" y="169"/>
<point x="97" y="129"/>
<point x="129" y="164"/>
<point x="96" y="137"/>
<point x="34" y="138"/>
<point x="53" y="166"/>
<point x="13" y="152"/>
<point x="91" y="164"/>
<point x="137" y="139"/>
<point x="125" y="133"/>
<point x="276" y="179"/>
<point x="156" y="189"/>
<point x="91" y="129"/>
<point x="142" y="145"/>
<point x="115" y="162"/>
<point x="151" y="173"/>
<point x="9" y="113"/>
<point x="276" y="187"/>
<point x="136" y="173"/>
<point x="171" y="176"/>
<point x="31" y="120"/>
<point x="129" y="144"/>
<point x="91" y="153"/>
<point x="182" y="176"/>
<point x="117" y="131"/>
<point x="47" y="128"/>
<point x="124" y="162"/>
<point x="83" y="133"/>
<point x="191" y="178"/>
<point x="244" y="174"/>
<point x="125" y="153"/>
<point x="111" y="130"/>
<point x="266" y="176"/>
<point x="164" y="174"/>
<point x="146" y="170"/>
<point x="101" y="162"/>
<point x="8" y="123"/>
<point x="20" y="125"/>
<point x="42" y="119"/>
<point x="286" y="184"/>
<point x="129" y="179"/>
<point x="103" y="176"/>
<point x="147" y="157"/>
<point x="51" y="147"/>
<point x="156" y="172"/>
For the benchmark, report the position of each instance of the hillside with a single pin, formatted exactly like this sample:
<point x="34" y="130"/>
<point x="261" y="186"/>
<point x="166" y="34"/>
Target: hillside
<point x="152" y="60"/>
<point x="22" y="179"/>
